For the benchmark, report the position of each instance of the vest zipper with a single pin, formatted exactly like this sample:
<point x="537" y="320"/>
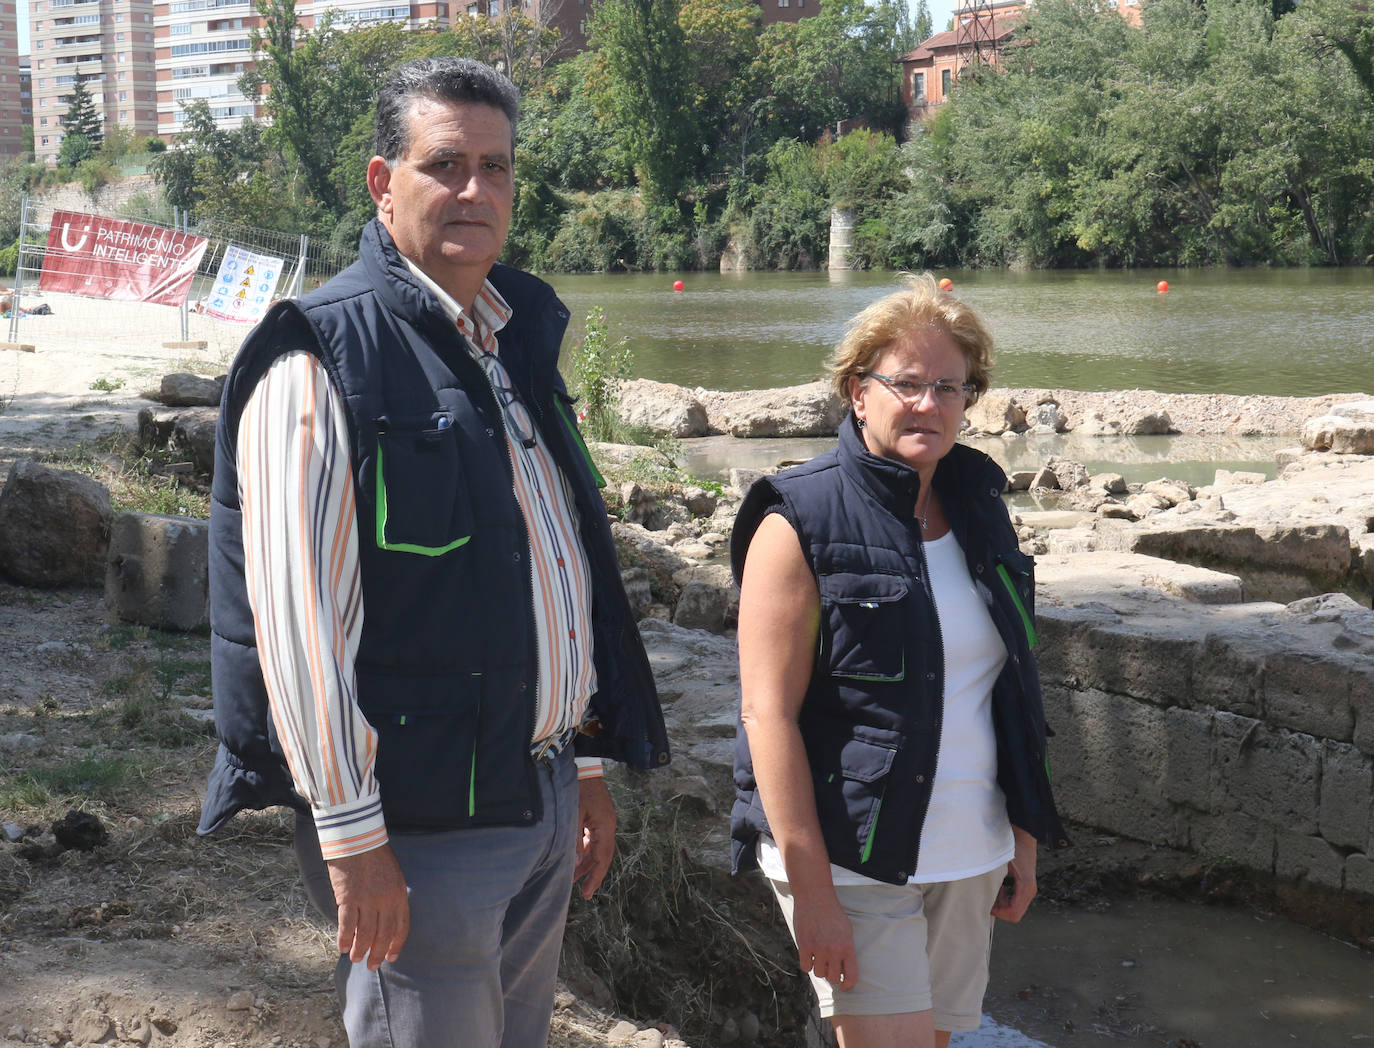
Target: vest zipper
<point x="533" y="694"/>
<point x="940" y="730"/>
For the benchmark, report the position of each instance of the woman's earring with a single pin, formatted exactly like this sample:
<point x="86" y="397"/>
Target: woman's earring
<point x="862" y="422"/>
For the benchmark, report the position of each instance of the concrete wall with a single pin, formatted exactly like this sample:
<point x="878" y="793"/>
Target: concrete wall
<point x="1241" y="732"/>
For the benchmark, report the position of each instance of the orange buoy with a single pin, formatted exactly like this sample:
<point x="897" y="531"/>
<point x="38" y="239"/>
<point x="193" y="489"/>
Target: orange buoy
<point x="946" y="284"/>
<point x="678" y="285"/>
<point x="1162" y="286"/>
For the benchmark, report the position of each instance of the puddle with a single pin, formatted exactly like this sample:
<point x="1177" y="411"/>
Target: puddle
<point x="1155" y="971"/>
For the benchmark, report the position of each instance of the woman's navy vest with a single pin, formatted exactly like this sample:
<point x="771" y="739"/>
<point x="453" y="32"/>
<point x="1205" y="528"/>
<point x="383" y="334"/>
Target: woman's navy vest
<point x="446" y="663"/>
<point x="872" y="714"/>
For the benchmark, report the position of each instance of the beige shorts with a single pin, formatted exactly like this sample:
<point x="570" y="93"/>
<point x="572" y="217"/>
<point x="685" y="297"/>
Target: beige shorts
<point x="921" y="947"/>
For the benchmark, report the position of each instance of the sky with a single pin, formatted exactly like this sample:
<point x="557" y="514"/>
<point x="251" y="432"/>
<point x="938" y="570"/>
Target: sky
<point x="940" y="13"/>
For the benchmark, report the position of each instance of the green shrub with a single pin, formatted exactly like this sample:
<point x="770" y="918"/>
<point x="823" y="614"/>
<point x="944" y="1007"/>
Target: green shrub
<point x="599" y="367"/>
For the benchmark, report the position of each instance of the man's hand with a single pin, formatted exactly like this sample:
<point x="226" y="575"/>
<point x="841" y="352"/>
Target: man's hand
<point x="1013" y="902"/>
<point x="374" y="910"/>
<point x="596" y="836"/>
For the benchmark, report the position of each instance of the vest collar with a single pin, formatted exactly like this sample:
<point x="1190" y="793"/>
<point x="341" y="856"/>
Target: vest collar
<point x="391" y="279"/>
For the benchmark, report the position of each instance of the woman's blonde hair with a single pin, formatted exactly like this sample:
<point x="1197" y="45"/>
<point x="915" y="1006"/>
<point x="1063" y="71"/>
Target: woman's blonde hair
<point x="920" y="304"/>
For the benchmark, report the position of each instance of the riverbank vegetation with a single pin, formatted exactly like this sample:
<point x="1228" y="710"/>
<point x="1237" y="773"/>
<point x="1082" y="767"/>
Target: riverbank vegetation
<point x="1235" y="132"/>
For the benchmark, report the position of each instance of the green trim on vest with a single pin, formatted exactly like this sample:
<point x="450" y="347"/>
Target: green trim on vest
<point x="872" y="833"/>
<point x="1026" y="620"/>
<point x="404" y="547"/>
<point x="577" y="436"/>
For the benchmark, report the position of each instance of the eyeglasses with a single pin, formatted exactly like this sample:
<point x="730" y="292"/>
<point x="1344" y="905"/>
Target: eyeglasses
<point x="947" y="393"/>
<point x="517" y="416"/>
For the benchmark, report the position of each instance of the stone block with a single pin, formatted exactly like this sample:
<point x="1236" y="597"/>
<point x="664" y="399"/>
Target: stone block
<point x="702" y="606"/>
<point x="54" y="526"/>
<point x="1359" y="874"/>
<point x="1234" y="836"/>
<point x="157" y="574"/>
<point x="1307" y="693"/>
<point x="1347" y="784"/>
<point x="1272" y="775"/>
<point x="1111" y="483"/>
<point x="661" y="407"/>
<point x="996" y="413"/>
<point x="1154" y="667"/>
<point x="1348" y="429"/>
<point x="1298" y="857"/>
<point x="1110" y="760"/>
<point x="1228" y="678"/>
<point x="183" y="390"/>
<point x="1187" y="759"/>
<point x="1362" y="702"/>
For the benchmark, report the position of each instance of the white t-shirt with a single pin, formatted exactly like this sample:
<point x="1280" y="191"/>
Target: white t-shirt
<point x="966" y="830"/>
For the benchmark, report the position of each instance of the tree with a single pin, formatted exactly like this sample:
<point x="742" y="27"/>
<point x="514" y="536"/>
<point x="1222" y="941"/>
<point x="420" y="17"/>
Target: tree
<point x="74" y="151"/>
<point x="836" y="66"/>
<point x="314" y="86"/>
<point x="643" y="82"/>
<point x="913" y="26"/>
<point x="511" y="42"/>
<point x="1344" y="27"/>
<point x="81" y="117"/>
<point x="723" y="35"/>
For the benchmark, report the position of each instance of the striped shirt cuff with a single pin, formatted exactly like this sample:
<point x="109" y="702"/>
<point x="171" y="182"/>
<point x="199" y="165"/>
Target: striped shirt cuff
<point x="350" y="829"/>
<point x="590" y="768"/>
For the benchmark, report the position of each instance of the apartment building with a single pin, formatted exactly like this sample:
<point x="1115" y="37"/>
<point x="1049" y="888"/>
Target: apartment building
<point x="106" y="45"/>
<point x="11" y="108"/>
<point x="204" y="46"/>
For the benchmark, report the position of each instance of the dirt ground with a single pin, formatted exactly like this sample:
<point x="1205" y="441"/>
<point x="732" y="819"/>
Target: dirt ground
<point x="154" y="935"/>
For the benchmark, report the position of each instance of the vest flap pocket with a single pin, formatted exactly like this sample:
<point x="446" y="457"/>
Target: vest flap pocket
<point x="427" y="732"/>
<point x="863" y="626"/>
<point x="864" y="761"/>
<point x="422" y="498"/>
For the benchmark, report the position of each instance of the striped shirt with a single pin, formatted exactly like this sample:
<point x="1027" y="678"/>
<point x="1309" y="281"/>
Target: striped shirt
<point x="300" y="541"/>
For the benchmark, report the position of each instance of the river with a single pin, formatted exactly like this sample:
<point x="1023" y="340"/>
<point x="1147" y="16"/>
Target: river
<point x="1298" y="332"/>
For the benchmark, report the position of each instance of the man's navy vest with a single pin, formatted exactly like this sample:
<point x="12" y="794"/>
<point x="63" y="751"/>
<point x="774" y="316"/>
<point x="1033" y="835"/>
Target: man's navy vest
<point x="873" y="709"/>
<point x="446" y="663"/>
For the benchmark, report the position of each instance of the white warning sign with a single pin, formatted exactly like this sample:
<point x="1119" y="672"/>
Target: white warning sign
<point x="244" y="286"/>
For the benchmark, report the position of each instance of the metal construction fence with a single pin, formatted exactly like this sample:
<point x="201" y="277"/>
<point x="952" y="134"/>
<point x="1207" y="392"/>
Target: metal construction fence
<point x="140" y="326"/>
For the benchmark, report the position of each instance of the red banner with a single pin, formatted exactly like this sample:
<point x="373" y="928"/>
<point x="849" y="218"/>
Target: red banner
<point x="110" y="258"/>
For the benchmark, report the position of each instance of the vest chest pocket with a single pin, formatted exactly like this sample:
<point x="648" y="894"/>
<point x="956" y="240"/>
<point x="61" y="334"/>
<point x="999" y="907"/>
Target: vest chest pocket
<point x="421" y="493"/>
<point x="863" y="626"/>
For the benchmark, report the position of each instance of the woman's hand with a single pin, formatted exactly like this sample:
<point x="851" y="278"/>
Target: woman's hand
<point x="1014" y="900"/>
<point x="825" y="942"/>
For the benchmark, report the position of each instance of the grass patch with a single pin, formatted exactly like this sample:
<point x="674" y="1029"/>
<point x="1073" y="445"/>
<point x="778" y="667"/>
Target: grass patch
<point x="105" y="385"/>
<point x="143" y="704"/>
<point x="42" y="791"/>
<point x="134" y="478"/>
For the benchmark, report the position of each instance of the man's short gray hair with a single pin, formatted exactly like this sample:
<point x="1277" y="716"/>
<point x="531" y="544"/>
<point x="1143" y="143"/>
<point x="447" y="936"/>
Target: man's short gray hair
<point x="459" y="80"/>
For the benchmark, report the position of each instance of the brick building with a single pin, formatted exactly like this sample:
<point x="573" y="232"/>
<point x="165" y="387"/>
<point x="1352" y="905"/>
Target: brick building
<point x="981" y="31"/>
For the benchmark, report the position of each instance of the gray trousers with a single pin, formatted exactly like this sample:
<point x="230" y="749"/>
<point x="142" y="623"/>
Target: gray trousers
<point x="487" y="909"/>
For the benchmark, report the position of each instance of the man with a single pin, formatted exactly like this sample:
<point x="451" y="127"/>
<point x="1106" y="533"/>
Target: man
<point x="412" y="571"/>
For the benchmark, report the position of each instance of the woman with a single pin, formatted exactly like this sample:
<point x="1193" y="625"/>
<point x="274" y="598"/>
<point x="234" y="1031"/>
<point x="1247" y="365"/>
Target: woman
<point x="891" y="766"/>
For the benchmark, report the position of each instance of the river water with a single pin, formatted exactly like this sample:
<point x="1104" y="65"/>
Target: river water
<point x="1296" y="332"/>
